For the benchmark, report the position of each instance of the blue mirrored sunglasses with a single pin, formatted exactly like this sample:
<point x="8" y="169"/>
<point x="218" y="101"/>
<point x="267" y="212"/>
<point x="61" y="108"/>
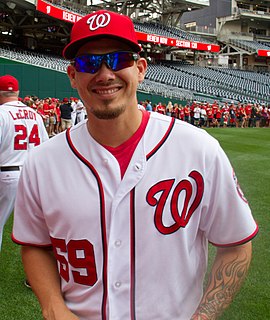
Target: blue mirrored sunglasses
<point x="91" y="63"/>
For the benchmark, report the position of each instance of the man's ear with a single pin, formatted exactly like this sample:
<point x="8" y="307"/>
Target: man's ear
<point x="71" y="74"/>
<point x="142" y="66"/>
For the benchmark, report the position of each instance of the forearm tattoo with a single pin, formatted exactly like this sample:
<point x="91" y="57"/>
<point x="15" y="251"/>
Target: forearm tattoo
<point x="223" y="284"/>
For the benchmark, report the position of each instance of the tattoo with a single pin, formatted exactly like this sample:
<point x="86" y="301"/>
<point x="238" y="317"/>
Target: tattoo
<point x="223" y="284"/>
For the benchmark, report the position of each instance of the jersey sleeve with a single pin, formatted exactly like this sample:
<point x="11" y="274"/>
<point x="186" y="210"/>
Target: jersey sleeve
<point x="1" y="129"/>
<point x="29" y="227"/>
<point x="226" y="216"/>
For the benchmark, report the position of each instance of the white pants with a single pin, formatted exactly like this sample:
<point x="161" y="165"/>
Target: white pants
<point x="80" y="116"/>
<point x="73" y="117"/>
<point x="8" y="188"/>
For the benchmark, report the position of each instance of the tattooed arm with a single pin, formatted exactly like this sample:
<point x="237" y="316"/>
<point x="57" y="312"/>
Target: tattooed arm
<point x="227" y="275"/>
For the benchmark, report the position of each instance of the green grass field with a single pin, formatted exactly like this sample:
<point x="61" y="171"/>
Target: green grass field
<point x="249" y="152"/>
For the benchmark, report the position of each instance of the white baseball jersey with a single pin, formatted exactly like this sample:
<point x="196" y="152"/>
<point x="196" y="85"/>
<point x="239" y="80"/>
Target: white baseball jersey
<point x="134" y="248"/>
<point x="21" y="129"/>
<point x="73" y="114"/>
<point x="80" y="111"/>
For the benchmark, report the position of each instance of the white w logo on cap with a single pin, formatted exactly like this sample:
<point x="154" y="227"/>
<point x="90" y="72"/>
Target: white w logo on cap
<point x="98" y="21"/>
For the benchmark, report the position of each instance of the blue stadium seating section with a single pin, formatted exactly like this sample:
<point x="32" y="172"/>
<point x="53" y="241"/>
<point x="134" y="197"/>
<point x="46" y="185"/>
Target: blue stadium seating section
<point x="170" y="32"/>
<point x="170" y="79"/>
<point x="218" y="82"/>
<point x="250" y="46"/>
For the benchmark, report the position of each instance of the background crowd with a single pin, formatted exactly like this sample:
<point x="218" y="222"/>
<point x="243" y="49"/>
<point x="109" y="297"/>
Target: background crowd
<point x="58" y="115"/>
<point x="205" y="114"/>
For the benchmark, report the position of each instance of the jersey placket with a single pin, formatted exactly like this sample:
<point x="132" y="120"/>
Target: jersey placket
<point x="121" y="243"/>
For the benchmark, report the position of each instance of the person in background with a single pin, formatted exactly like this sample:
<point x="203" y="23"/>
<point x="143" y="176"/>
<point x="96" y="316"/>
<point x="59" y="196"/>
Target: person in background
<point x="148" y="106"/>
<point x="73" y="102"/>
<point x="80" y="111"/>
<point x="52" y="116"/>
<point x="46" y="112"/>
<point x="196" y="114"/>
<point x="161" y="108"/>
<point x="169" y="109"/>
<point x="57" y="128"/>
<point x="21" y="129"/>
<point x="66" y="114"/>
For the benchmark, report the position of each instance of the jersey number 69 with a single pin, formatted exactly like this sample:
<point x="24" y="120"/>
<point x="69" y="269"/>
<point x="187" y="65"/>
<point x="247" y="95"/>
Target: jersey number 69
<point x="80" y="256"/>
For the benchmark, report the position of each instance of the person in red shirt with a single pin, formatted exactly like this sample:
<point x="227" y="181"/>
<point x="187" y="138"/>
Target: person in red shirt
<point x="238" y="117"/>
<point x="248" y="110"/>
<point x="215" y="108"/>
<point x="210" y="116"/>
<point x="52" y="119"/>
<point x="161" y="108"/>
<point x="268" y="117"/>
<point x="181" y="113"/>
<point x="187" y="113"/>
<point x="218" y="117"/>
<point x="243" y="116"/>
<point x="57" y="128"/>
<point x="46" y="112"/>
<point x="175" y="111"/>
<point x="264" y="118"/>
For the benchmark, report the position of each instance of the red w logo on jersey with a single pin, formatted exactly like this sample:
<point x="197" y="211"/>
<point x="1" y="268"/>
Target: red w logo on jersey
<point x="192" y="198"/>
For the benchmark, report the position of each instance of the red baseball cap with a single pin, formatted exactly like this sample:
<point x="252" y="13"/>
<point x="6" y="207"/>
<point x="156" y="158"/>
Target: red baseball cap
<point x="101" y="24"/>
<point x="8" y="83"/>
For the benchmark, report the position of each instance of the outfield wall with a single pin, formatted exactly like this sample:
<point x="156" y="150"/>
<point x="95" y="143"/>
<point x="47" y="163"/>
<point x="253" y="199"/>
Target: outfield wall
<point x="38" y="81"/>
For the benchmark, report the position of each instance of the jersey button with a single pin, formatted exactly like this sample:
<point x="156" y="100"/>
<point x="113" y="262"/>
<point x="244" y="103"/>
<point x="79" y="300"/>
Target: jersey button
<point x="118" y="243"/>
<point x="118" y="284"/>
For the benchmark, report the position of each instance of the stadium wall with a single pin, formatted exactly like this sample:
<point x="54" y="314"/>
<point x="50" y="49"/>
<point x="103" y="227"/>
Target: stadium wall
<point x="155" y="99"/>
<point x="38" y="81"/>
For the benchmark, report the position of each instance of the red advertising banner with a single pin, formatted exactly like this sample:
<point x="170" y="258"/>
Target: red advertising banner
<point x="56" y="12"/>
<point x="172" y="42"/>
<point x="264" y="53"/>
<point x="68" y="16"/>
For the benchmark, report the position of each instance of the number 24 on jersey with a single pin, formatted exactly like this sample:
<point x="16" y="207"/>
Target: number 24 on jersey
<point x="23" y="137"/>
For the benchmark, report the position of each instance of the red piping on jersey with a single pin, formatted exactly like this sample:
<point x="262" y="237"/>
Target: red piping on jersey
<point x="132" y="255"/>
<point x="45" y="246"/>
<point x="102" y="220"/>
<point x="238" y="242"/>
<point x="166" y="135"/>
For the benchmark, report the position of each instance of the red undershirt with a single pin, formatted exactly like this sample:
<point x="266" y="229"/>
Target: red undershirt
<point x="124" y="152"/>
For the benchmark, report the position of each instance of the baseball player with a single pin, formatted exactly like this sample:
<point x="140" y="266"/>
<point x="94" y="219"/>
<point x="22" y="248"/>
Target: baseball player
<point x="73" y="114"/>
<point x="21" y="129"/>
<point x="80" y="111"/>
<point x="135" y="247"/>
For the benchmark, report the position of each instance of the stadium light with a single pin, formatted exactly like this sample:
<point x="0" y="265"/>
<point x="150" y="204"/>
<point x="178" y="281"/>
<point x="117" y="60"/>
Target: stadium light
<point x="11" y="5"/>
